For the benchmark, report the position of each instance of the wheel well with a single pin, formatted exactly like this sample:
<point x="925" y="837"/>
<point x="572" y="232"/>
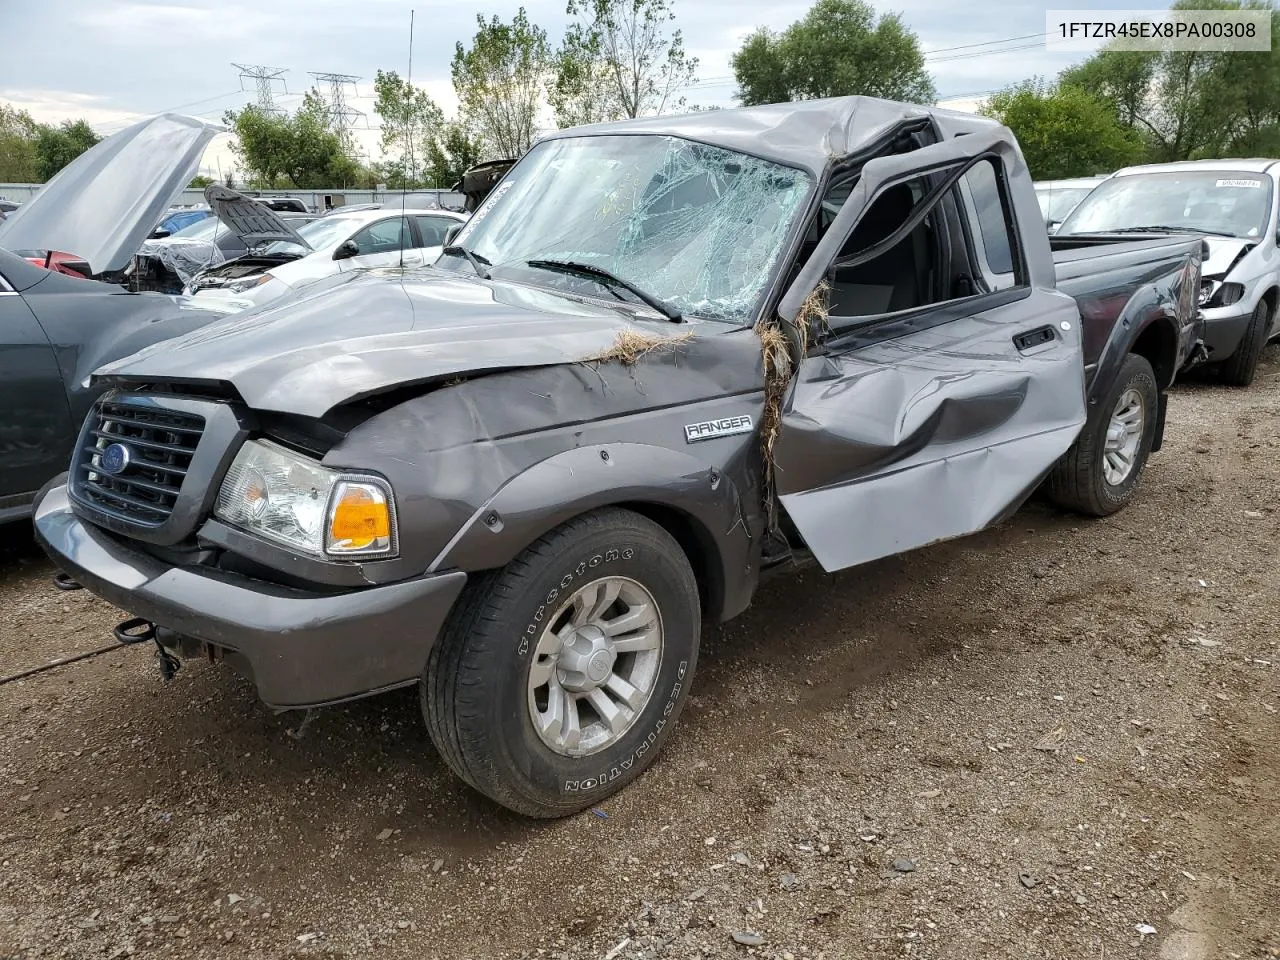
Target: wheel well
<point x="1158" y="345"/>
<point x="697" y="545"/>
<point x="1272" y="296"/>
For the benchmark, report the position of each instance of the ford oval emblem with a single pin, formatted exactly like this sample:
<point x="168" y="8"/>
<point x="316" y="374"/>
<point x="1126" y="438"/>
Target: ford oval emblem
<point x="114" y="459"/>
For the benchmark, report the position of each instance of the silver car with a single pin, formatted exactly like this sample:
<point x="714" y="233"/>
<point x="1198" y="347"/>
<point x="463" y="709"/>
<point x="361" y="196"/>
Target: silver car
<point x="1232" y="203"/>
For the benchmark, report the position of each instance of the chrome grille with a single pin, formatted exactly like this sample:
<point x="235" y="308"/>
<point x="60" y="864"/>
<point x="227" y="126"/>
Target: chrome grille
<point x="134" y="459"/>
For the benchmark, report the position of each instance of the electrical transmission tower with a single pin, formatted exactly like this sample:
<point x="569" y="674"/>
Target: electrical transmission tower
<point x="263" y="78"/>
<point x="340" y="114"/>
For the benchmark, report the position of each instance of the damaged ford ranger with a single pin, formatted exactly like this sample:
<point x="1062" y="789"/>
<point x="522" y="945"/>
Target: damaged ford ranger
<point x="664" y="358"/>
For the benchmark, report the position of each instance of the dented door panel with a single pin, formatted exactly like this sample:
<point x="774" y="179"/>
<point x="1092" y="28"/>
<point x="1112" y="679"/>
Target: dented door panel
<point x="897" y="444"/>
<point x="934" y="422"/>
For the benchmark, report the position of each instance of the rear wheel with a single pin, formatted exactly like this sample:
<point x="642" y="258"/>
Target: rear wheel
<point x="1239" y="368"/>
<point x="560" y="676"/>
<point x="1100" y="472"/>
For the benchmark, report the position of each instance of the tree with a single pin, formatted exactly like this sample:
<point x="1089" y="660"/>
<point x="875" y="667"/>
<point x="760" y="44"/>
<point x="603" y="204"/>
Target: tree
<point x="499" y="81"/>
<point x="298" y="150"/>
<point x="410" y="119"/>
<point x="199" y="182"/>
<point x="19" y="162"/>
<point x="58" y="146"/>
<point x="1063" y="131"/>
<point x="839" y="48"/>
<point x="450" y="154"/>
<point x="760" y="69"/>
<point x="1122" y="80"/>
<point x="1188" y="104"/>
<point x="619" y="60"/>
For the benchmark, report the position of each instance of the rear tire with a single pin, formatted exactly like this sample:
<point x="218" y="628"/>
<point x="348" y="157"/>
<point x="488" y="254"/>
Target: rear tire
<point x="559" y="677"/>
<point x="1100" y="473"/>
<point x="1238" y="369"/>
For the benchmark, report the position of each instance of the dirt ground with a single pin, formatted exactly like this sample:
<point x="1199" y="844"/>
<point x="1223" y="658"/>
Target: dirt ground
<point x="1055" y="739"/>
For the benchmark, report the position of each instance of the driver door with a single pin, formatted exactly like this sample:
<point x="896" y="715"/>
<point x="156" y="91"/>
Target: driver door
<point x="947" y="377"/>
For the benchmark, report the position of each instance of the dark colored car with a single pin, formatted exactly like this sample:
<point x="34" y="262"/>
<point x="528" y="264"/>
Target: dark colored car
<point x="664" y="358"/>
<point x="55" y="329"/>
<point x="57" y="325"/>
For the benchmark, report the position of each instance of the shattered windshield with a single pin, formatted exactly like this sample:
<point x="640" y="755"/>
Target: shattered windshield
<point x="696" y="227"/>
<point x="1213" y="201"/>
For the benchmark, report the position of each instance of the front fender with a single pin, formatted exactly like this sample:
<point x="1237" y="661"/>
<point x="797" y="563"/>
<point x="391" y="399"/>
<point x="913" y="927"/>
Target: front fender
<point x="571" y="483"/>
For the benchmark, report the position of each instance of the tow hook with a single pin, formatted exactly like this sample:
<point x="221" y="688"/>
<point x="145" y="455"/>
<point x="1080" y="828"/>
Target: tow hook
<point x="141" y="630"/>
<point x="63" y="582"/>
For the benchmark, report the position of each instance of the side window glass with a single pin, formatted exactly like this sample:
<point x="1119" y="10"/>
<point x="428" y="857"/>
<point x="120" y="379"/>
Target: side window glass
<point x="901" y="278"/>
<point x="433" y="229"/>
<point x="936" y="262"/>
<point x="981" y="180"/>
<point x="382" y="237"/>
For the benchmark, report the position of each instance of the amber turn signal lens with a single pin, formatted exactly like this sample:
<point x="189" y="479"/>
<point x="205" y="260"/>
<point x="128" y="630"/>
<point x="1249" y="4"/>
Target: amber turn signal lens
<point x="359" y="519"/>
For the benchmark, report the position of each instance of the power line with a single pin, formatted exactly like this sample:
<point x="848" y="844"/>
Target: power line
<point x="966" y="96"/>
<point x="985" y="43"/>
<point x="929" y="57"/>
<point x="985" y="53"/>
<point x="121" y="124"/>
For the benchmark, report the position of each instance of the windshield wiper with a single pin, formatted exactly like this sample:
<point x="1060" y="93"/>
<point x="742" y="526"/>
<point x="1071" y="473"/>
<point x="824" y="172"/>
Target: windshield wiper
<point x="593" y="271"/>
<point x="1160" y="228"/>
<point x="474" y="259"/>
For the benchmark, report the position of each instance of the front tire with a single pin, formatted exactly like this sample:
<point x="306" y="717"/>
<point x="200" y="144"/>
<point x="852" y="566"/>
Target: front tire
<point x="1100" y="473"/>
<point x="559" y="677"/>
<point x="1238" y="369"/>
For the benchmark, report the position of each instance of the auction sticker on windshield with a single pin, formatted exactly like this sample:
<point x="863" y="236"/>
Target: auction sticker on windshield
<point x="1238" y="183"/>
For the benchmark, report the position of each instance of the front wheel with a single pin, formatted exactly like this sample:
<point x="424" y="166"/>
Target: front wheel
<point x="1238" y="369"/>
<point x="559" y="677"/>
<point x="1100" y="472"/>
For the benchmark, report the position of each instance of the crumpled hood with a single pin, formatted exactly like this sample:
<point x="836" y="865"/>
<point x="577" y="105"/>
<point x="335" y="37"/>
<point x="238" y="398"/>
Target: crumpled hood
<point x="356" y="335"/>
<point x="1223" y="252"/>
<point x="103" y="204"/>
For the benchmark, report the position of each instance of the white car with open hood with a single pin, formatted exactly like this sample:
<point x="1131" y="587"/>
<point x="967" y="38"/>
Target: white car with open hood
<point x="1232" y="203"/>
<point x="331" y="245"/>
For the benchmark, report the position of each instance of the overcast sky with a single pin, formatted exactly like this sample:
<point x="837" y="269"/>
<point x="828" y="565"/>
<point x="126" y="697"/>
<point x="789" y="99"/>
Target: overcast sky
<point x="110" y="61"/>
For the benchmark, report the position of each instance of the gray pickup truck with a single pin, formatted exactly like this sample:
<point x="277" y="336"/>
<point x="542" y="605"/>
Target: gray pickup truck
<point x="664" y="358"/>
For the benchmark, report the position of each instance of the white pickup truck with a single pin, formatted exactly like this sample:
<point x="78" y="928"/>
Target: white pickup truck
<point x="1232" y="203"/>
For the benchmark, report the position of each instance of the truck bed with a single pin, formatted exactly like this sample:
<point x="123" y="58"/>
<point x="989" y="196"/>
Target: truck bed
<point x="1105" y="273"/>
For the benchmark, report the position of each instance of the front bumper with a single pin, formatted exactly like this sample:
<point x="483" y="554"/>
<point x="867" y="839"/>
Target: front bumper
<point x="1224" y="328"/>
<point x="302" y="649"/>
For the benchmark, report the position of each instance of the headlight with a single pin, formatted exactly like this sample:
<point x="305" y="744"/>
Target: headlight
<point x="294" y="501"/>
<point x="240" y="286"/>
<point x="1214" y="293"/>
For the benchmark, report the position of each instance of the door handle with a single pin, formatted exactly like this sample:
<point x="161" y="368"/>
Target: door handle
<point x="1033" y="338"/>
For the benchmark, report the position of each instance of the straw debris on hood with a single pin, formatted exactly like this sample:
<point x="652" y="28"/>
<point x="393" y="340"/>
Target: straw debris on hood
<point x="630" y="345"/>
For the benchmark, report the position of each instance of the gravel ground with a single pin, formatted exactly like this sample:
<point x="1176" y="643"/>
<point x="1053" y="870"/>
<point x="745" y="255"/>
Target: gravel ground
<point x="1054" y="739"/>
